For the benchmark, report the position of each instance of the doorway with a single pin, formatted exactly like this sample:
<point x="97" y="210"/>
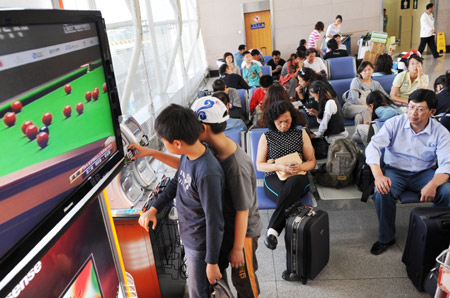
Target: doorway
<point x="404" y="21"/>
<point x="258" y="26"/>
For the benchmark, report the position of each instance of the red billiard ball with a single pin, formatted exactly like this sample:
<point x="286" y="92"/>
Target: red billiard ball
<point x="31" y="131"/>
<point x="95" y="93"/>
<point x="47" y="119"/>
<point x="10" y="119"/>
<point x="68" y="89"/>
<point x="25" y="125"/>
<point x="44" y="129"/>
<point x="16" y="106"/>
<point x="88" y="96"/>
<point x="42" y="139"/>
<point x="105" y="87"/>
<point x="67" y="111"/>
<point x="80" y="108"/>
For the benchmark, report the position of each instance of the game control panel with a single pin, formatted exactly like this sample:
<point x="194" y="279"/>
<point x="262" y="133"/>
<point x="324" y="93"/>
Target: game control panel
<point x="130" y="153"/>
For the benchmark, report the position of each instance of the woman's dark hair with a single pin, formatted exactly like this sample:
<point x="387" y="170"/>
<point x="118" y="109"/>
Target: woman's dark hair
<point x="302" y="42"/>
<point x="332" y="44"/>
<point x="308" y="75"/>
<point x="276" y="92"/>
<point x="319" y="26"/>
<point x="363" y="65"/>
<point x="325" y="92"/>
<point x="384" y="64"/>
<point x="414" y="56"/>
<point x="338" y="17"/>
<point x="226" y="55"/>
<point x="310" y="51"/>
<point x="378" y="99"/>
<point x="278" y="108"/>
<point x="443" y="80"/>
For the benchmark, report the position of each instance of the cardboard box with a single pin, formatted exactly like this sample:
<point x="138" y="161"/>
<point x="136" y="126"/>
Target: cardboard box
<point x="371" y="57"/>
<point x="377" y="48"/>
<point x="379" y="37"/>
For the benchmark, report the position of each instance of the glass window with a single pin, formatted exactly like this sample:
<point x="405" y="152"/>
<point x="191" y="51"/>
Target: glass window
<point x="162" y="10"/>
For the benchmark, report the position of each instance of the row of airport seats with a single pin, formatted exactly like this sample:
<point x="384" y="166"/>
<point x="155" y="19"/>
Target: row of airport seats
<point x="249" y="142"/>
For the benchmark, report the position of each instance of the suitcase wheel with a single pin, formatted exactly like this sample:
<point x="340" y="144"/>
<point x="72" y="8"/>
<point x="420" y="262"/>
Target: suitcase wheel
<point x="289" y="276"/>
<point x="304" y="280"/>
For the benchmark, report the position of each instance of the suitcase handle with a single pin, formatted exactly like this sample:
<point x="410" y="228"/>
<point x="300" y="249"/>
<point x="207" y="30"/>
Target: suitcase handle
<point x="436" y="215"/>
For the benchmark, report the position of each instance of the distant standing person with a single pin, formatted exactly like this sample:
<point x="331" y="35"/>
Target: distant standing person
<point x="334" y="28"/>
<point x="385" y="20"/>
<point x="427" y="31"/>
<point x="314" y="38"/>
<point x="238" y="56"/>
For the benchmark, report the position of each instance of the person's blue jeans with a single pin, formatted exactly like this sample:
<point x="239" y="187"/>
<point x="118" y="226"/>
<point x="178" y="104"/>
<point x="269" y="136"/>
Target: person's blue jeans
<point x="400" y="181"/>
<point x="198" y="283"/>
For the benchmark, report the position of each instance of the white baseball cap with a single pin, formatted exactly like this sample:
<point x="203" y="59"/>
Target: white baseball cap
<point x="210" y="110"/>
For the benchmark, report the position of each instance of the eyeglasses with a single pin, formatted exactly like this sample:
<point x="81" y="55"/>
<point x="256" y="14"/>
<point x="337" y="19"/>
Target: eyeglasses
<point x="419" y="110"/>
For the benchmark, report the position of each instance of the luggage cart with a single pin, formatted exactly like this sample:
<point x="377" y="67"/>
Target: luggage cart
<point x="443" y="290"/>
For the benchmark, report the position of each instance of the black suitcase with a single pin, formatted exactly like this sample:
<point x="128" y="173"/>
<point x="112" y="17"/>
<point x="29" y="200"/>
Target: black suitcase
<point x="428" y="236"/>
<point x="307" y="239"/>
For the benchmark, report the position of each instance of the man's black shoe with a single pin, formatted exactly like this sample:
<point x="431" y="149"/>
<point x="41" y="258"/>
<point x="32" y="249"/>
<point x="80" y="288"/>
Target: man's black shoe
<point x="378" y="248"/>
<point x="438" y="56"/>
<point x="271" y="242"/>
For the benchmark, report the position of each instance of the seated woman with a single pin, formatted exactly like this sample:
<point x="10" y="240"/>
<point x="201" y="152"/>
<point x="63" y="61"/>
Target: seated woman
<point x="275" y="93"/>
<point x="306" y="76"/>
<point x="229" y="60"/>
<point x="290" y="70"/>
<point x="353" y="105"/>
<point x="442" y="89"/>
<point x="315" y="63"/>
<point x="408" y="81"/>
<point x="329" y="114"/>
<point x="383" y="66"/>
<point x="283" y="138"/>
<point x="381" y="107"/>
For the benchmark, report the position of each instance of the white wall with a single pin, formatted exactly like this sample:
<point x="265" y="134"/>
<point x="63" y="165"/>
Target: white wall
<point x="222" y="22"/>
<point x="40" y="4"/>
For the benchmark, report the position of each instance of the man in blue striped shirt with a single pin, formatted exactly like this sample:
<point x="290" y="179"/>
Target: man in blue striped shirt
<point x="416" y="156"/>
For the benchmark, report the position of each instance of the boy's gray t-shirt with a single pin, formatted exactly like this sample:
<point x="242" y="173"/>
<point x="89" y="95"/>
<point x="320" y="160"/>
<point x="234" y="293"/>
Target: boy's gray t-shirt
<point x="240" y="192"/>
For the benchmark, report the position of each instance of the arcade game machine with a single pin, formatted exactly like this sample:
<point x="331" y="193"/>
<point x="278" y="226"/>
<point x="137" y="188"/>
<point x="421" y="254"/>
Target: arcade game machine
<point x="59" y="109"/>
<point x="154" y="259"/>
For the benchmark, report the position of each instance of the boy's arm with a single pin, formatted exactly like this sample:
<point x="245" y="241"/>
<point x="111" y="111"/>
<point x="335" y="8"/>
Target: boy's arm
<point x="168" y="159"/>
<point x="237" y="253"/>
<point x="210" y="194"/>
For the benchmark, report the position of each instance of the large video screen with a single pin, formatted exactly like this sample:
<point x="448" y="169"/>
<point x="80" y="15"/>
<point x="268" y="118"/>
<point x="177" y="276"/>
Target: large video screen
<point x="58" y="111"/>
<point x="78" y="263"/>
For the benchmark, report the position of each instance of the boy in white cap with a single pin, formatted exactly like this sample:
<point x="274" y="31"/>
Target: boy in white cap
<point x="240" y="209"/>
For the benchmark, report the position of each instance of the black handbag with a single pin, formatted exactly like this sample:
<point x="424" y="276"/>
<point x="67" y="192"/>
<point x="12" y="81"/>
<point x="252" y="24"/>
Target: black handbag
<point x="320" y="147"/>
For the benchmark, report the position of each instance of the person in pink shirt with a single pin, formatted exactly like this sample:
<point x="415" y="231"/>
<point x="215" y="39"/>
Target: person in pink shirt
<point x="314" y="38"/>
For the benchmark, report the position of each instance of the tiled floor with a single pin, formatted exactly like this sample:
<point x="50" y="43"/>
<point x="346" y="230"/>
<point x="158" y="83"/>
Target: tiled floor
<point x="352" y="271"/>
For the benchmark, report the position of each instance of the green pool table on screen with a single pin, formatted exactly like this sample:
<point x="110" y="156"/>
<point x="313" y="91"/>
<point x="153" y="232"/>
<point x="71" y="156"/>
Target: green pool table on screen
<point x="65" y="134"/>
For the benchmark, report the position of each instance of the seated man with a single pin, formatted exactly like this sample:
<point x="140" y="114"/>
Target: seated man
<point x="416" y="157"/>
<point x="276" y="63"/>
<point x="235" y="100"/>
<point x="338" y="39"/>
<point x="333" y="51"/>
<point x="231" y="79"/>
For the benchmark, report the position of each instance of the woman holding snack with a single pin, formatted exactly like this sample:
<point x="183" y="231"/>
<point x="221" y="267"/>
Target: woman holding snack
<point x="283" y="142"/>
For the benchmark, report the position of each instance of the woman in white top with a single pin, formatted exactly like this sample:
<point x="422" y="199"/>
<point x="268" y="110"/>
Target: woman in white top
<point x="329" y="114"/>
<point x="334" y="28"/>
<point x="229" y="60"/>
<point x="315" y="63"/>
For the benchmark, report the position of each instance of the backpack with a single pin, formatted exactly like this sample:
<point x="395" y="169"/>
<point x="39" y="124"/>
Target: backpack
<point x="362" y="95"/>
<point x="364" y="179"/>
<point x="341" y="161"/>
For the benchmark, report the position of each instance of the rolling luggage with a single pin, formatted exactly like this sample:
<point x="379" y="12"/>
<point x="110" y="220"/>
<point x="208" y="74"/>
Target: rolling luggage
<point x="307" y="243"/>
<point x="428" y="236"/>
